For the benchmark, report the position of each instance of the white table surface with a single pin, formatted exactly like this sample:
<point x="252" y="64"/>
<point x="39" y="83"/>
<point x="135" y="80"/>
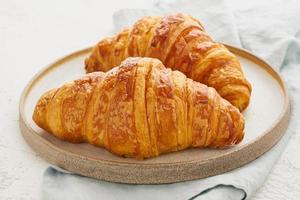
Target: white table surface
<point x="34" y="33"/>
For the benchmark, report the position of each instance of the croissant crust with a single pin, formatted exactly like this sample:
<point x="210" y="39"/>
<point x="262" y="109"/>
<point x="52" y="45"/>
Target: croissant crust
<point x="140" y="109"/>
<point x="181" y="43"/>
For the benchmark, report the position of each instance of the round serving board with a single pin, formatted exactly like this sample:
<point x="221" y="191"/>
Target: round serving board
<point x="266" y="119"/>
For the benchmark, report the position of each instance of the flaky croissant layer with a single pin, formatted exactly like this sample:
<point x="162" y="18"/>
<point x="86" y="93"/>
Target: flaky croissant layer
<point x="181" y="43"/>
<point x="140" y="109"/>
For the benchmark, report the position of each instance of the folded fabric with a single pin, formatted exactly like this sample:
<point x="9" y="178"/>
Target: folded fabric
<point x="270" y="32"/>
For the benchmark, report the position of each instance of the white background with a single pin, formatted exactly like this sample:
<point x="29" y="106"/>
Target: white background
<point x="34" y="33"/>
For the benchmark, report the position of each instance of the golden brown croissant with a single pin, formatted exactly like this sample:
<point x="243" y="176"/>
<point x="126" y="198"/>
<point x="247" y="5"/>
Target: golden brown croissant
<point x="140" y="109"/>
<point x="181" y="43"/>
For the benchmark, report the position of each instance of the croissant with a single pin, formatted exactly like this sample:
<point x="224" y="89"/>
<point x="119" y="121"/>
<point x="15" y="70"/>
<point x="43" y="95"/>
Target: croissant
<point x="140" y="109"/>
<point x="181" y="43"/>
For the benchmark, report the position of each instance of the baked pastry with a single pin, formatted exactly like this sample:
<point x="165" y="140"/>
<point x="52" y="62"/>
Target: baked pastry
<point x="181" y="43"/>
<point x="140" y="109"/>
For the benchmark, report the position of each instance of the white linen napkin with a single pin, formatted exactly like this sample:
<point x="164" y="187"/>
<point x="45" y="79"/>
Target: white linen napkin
<point x="270" y="32"/>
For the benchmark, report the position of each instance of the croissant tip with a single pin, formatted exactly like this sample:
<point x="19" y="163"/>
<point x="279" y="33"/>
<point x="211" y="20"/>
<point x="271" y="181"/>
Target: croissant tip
<point x="88" y="67"/>
<point x="39" y="113"/>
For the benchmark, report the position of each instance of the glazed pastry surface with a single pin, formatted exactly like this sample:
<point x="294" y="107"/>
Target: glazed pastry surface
<point x="140" y="109"/>
<point x="181" y="43"/>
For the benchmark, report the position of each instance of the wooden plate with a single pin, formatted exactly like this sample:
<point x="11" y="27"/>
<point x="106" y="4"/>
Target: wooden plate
<point x="266" y="119"/>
